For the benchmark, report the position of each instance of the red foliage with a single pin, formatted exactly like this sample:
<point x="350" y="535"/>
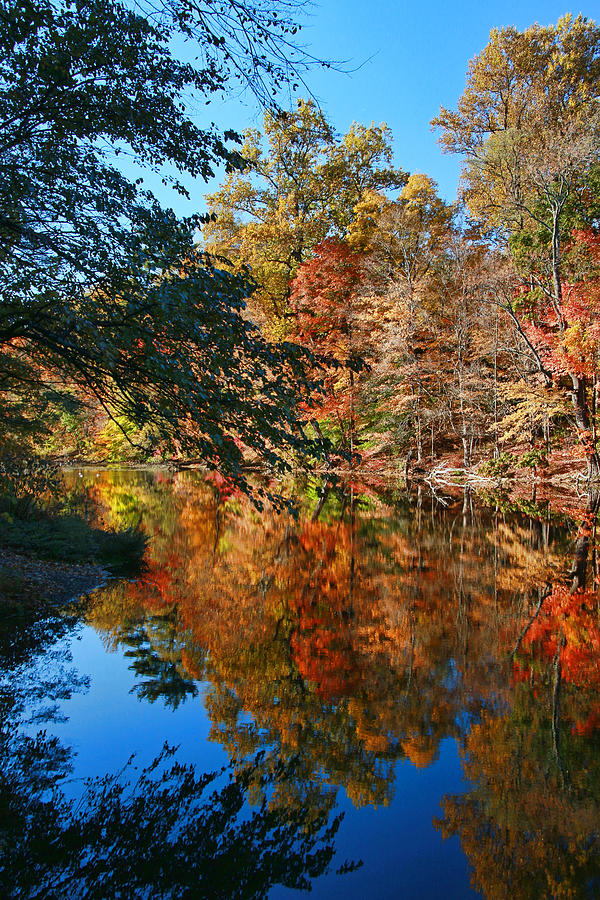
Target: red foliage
<point x="225" y="487"/>
<point x="321" y="644"/>
<point x="567" y="630"/>
<point x="325" y="302"/>
<point x="322" y="294"/>
<point x="567" y="337"/>
<point x="158" y="588"/>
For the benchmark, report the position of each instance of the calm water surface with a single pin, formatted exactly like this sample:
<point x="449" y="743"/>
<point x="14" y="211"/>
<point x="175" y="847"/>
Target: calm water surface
<point x="382" y="699"/>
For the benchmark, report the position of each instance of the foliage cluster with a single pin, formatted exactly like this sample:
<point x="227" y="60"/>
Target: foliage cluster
<point x="109" y="311"/>
<point x="337" y="308"/>
<point x="365" y="638"/>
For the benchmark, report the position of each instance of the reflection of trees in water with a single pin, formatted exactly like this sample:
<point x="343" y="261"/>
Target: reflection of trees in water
<point x="164" y="831"/>
<point x="152" y="642"/>
<point x="160" y="832"/>
<point x="347" y="640"/>
<point x="159" y="672"/>
<point x="530" y="825"/>
<point x="525" y="833"/>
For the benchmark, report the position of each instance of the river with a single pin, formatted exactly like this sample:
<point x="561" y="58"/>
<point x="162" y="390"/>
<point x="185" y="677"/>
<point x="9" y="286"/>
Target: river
<point x="387" y="697"/>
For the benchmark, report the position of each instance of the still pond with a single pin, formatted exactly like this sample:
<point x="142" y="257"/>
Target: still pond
<point x="388" y="697"/>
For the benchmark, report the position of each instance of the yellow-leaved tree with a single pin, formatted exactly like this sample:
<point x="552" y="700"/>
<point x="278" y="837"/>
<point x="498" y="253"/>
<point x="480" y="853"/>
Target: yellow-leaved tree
<point x="300" y="185"/>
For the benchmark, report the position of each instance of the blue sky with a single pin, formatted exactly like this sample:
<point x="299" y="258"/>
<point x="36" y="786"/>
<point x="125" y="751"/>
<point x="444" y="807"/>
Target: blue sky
<point x="414" y="58"/>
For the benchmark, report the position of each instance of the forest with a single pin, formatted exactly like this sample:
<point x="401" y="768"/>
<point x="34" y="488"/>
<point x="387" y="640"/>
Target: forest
<point x="298" y="492"/>
<point x="329" y="310"/>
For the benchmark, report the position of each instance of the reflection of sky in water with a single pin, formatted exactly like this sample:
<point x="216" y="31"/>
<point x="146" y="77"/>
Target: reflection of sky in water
<point x="403" y="856"/>
<point x="431" y="661"/>
<point x="108" y="723"/>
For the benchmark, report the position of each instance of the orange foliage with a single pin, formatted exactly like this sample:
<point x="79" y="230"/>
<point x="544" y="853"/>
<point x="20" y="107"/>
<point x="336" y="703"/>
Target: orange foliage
<point x="158" y="587"/>
<point x="326" y="301"/>
<point x="353" y="641"/>
<point x="567" y="336"/>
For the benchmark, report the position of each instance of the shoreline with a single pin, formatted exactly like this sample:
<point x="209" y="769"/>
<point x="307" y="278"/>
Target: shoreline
<point x="28" y="582"/>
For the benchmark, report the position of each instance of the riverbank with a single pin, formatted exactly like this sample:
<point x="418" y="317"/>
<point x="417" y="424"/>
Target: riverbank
<point x="28" y="583"/>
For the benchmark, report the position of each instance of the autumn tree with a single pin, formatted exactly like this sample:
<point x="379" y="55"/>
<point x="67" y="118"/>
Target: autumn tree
<point x="104" y="294"/>
<point x="566" y="335"/>
<point x="332" y="321"/>
<point x="470" y="332"/>
<point x="528" y="124"/>
<point x="420" y="275"/>
<point x="299" y="186"/>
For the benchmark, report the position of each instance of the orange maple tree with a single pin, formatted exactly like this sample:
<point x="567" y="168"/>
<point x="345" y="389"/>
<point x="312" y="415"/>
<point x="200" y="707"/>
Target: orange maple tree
<point x="325" y="298"/>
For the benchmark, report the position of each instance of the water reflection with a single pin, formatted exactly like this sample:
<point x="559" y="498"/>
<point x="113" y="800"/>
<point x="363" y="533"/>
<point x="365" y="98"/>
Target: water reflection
<point x="530" y="826"/>
<point x="163" y="830"/>
<point x="334" y="647"/>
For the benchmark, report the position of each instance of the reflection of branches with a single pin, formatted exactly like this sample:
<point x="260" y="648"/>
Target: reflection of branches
<point x="155" y="651"/>
<point x="534" y="615"/>
<point x="556" y="684"/>
<point x="155" y="834"/>
<point x="332" y="640"/>
<point x="529" y="825"/>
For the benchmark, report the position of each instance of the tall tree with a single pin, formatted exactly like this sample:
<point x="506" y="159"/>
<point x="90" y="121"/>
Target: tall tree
<point x="332" y="321"/>
<point x="299" y="186"/>
<point x="404" y="241"/>
<point x="100" y="286"/>
<point x="528" y="123"/>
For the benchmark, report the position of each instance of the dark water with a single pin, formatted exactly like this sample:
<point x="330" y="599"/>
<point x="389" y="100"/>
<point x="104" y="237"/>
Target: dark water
<point x="394" y="699"/>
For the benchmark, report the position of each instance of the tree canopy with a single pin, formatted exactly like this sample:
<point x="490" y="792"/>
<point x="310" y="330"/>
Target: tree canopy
<point x="299" y="186"/>
<point x="103" y="291"/>
<point x="115" y="325"/>
<point x="528" y="123"/>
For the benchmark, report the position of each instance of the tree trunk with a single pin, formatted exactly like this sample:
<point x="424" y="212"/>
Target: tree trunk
<point x="583" y="423"/>
<point x="352" y="423"/>
<point x="582" y="544"/>
<point x="418" y="431"/>
<point x="496" y="450"/>
<point x="556" y="281"/>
